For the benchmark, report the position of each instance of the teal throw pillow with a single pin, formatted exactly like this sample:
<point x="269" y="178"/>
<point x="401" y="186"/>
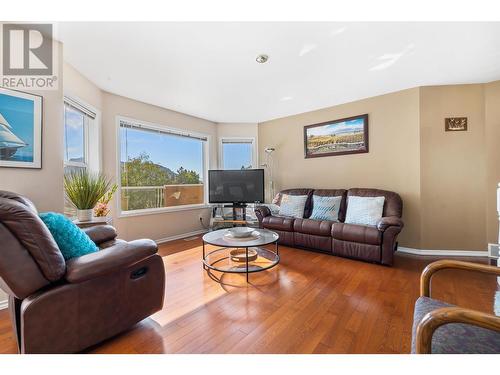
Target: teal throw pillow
<point x="72" y="241"/>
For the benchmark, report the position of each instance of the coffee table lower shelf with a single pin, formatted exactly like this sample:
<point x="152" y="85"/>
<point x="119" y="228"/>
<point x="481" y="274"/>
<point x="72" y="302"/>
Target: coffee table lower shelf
<point x="220" y="259"/>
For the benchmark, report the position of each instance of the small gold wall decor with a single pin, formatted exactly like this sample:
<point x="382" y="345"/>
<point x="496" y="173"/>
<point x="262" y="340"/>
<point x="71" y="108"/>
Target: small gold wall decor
<point x="455" y="124"/>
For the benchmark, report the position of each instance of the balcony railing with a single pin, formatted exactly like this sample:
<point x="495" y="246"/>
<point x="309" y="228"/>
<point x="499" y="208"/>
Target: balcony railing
<point x="144" y="197"/>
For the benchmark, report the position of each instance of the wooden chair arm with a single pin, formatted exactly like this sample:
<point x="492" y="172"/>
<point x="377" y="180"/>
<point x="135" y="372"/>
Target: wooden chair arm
<point x="431" y="269"/>
<point x="435" y="319"/>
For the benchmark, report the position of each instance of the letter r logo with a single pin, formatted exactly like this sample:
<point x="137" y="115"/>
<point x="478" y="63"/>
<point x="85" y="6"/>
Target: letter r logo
<point x="27" y="49"/>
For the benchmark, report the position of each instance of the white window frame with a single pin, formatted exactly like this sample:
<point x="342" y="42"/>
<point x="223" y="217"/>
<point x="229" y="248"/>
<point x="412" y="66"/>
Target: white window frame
<point x="92" y="136"/>
<point x="251" y="140"/>
<point x="160" y="128"/>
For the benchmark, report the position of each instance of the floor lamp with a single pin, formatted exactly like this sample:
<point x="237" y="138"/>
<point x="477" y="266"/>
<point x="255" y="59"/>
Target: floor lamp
<point x="269" y="166"/>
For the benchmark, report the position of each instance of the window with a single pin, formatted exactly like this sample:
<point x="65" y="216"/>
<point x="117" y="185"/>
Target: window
<point x="75" y="139"/>
<point x="237" y="153"/>
<point x="160" y="169"/>
<point x="79" y="152"/>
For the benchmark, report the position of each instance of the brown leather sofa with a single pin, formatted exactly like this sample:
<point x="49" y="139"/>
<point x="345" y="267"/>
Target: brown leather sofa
<point x="65" y="307"/>
<point x="370" y="243"/>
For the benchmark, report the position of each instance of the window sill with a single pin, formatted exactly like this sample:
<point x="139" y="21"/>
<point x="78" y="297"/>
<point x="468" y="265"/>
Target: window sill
<point x="163" y="210"/>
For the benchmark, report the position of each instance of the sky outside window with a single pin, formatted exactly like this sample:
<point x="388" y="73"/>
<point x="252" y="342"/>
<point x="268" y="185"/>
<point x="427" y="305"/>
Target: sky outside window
<point x="237" y="155"/>
<point x="170" y="151"/>
<point x="74" y="135"/>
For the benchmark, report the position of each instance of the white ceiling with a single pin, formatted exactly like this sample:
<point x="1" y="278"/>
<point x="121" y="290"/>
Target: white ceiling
<point x="209" y="69"/>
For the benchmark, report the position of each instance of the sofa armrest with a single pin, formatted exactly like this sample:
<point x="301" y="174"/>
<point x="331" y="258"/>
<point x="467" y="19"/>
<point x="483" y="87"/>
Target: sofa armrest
<point x="261" y="212"/>
<point x="100" y="233"/>
<point x="389" y="221"/>
<point x="108" y="260"/>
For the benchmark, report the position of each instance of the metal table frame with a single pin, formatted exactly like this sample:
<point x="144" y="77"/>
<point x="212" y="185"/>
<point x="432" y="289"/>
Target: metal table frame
<point x="211" y="266"/>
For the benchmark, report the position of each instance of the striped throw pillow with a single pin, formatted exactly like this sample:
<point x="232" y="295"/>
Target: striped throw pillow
<point x="293" y="205"/>
<point x="325" y="208"/>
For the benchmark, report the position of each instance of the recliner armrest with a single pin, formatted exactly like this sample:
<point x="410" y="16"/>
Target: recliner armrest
<point x="389" y="221"/>
<point x="108" y="260"/>
<point x="101" y="233"/>
<point x="261" y="212"/>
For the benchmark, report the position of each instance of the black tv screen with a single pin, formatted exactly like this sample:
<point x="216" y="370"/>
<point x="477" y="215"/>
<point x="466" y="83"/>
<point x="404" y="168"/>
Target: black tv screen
<point x="236" y="186"/>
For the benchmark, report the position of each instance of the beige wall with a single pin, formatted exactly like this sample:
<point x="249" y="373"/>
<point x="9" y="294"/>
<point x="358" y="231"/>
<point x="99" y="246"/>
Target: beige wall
<point x="447" y="179"/>
<point x="77" y="85"/>
<point x="452" y="169"/>
<point x="492" y="139"/>
<point x="36" y="183"/>
<point x="156" y="226"/>
<point x="393" y="162"/>
<point x="160" y="225"/>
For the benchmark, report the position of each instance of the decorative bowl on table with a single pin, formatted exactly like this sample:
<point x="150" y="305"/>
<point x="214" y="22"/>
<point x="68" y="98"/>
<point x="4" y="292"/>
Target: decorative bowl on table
<point x="240" y="232"/>
<point x="240" y="255"/>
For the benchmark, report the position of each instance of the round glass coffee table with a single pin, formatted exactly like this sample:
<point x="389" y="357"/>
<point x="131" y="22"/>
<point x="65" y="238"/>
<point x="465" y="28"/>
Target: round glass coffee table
<point x="240" y="255"/>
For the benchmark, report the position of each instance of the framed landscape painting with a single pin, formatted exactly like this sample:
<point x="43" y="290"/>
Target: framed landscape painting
<point x="20" y="129"/>
<point x="337" y="137"/>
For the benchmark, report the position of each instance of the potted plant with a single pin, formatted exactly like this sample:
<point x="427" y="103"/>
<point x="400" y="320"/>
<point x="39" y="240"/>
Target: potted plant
<point x="84" y="190"/>
<point x="102" y="207"/>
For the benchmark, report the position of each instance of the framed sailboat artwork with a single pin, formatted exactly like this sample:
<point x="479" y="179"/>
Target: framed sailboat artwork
<point x="20" y="129"/>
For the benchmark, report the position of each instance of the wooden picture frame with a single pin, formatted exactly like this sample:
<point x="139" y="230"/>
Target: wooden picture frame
<point x="21" y="117"/>
<point x="337" y="137"/>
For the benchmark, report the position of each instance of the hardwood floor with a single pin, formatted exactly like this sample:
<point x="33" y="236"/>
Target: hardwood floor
<point x="309" y="303"/>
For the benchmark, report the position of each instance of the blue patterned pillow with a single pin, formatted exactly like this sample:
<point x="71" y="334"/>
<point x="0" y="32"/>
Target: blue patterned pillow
<point x="325" y="208"/>
<point x="72" y="241"/>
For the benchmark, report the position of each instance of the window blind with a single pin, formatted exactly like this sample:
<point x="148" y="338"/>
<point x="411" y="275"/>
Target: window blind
<point x="135" y="125"/>
<point x="73" y="103"/>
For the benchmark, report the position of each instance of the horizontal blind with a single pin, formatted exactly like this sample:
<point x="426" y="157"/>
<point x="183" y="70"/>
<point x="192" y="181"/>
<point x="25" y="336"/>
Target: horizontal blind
<point x="236" y="141"/>
<point x="74" y="104"/>
<point x="138" y="126"/>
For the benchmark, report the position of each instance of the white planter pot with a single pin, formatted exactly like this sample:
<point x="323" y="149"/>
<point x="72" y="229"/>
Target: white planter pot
<point x="84" y="215"/>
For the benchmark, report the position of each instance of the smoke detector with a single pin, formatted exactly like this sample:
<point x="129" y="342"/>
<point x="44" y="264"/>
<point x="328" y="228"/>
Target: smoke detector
<point x="261" y="59"/>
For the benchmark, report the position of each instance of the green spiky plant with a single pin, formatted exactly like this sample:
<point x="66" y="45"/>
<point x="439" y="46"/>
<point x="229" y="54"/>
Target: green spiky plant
<point x="84" y="189"/>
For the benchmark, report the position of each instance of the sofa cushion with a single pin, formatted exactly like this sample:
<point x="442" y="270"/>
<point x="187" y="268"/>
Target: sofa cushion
<point x="454" y="338"/>
<point x="325" y="208"/>
<point x="357" y="233"/>
<point x="278" y="223"/>
<point x="293" y="205"/>
<point x="364" y="210"/>
<point x="314" y="227"/>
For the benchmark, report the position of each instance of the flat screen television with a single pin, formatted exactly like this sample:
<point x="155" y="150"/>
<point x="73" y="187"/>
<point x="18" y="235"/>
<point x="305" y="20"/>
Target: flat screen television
<point x="238" y="186"/>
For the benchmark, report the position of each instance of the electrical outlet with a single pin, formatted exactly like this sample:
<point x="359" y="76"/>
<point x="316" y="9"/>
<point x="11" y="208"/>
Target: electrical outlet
<point x="494" y="250"/>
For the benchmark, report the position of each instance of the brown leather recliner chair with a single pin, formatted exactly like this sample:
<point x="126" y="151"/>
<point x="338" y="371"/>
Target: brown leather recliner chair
<point x="65" y="307"/>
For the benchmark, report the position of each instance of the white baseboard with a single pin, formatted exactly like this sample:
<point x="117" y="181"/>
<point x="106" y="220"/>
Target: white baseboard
<point x="4" y="304"/>
<point x="449" y="253"/>
<point x="180" y="236"/>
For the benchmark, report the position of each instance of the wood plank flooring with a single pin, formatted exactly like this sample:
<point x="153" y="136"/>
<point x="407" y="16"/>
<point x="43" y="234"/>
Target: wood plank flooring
<point x="309" y="303"/>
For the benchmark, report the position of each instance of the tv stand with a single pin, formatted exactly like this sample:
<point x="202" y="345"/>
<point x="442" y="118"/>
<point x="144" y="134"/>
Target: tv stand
<point x="236" y="207"/>
<point x="238" y="217"/>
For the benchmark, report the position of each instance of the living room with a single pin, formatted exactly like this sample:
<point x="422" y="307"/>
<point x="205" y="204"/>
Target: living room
<point x="250" y="187"/>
